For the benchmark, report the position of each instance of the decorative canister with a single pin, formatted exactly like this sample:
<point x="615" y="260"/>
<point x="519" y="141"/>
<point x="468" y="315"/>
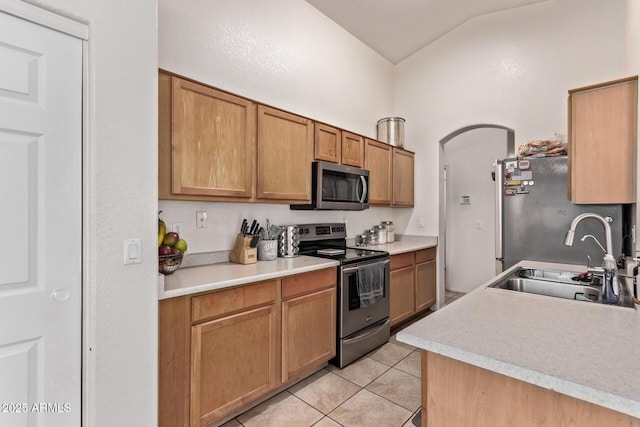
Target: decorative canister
<point x="381" y="231"/>
<point x="388" y="225"/>
<point x="391" y="131"/>
<point x="267" y="250"/>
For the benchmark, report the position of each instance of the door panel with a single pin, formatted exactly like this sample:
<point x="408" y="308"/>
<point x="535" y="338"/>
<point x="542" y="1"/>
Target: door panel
<point x="40" y="277"/>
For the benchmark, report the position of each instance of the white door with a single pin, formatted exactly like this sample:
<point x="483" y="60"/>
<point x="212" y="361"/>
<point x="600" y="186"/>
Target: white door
<point x="41" y="225"/>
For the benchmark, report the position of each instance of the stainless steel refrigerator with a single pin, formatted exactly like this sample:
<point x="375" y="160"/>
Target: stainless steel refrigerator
<point x="533" y="214"/>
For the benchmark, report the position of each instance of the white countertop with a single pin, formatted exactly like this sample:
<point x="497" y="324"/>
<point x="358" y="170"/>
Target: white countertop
<point x="407" y="244"/>
<point x="189" y="280"/>
<point x="587" y="351"/>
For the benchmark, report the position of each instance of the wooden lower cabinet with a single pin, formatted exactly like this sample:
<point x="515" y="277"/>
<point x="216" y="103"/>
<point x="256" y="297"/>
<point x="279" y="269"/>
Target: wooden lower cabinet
<point x="425" y="278"/>
<point x="222" y="351"/>
<point x="402" y="295"/>
<point x="413" y="284"/>
<point x="457" y="394"/>
<point x="308" y="332"/>
<point x="233" y="361"/>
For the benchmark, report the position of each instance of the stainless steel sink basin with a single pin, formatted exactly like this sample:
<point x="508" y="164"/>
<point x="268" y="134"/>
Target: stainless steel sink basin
<point x="559" y="284"/>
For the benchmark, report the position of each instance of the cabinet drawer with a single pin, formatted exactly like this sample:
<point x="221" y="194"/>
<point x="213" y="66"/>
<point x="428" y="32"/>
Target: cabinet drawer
<point x="402" y="260"/>
<point x="305" y="283"/>
<point x="425" y="255"/>
<point x="231" y="300"/>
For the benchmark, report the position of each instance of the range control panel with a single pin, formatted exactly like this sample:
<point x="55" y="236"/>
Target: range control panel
<point x="322" y="231"/>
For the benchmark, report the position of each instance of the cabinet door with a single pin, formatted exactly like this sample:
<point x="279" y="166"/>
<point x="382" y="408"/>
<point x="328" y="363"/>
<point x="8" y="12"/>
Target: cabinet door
<point x="402" y="177"/>
<point x="212" y="142"/>
<point x="327" y="143"/>
<point x="402" y="295"/>
<point x="378" y="160"/>
<point x="602" y="143"/>
<point x="233" y="361"/>
<point x="308" y="332"/>
<point x="425" y="285"/>
<point x="285" y="152"/>
<point x="352" y="149"/>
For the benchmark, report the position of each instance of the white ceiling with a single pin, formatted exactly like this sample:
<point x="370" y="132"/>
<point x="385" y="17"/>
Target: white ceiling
<point x="396" y="29"/>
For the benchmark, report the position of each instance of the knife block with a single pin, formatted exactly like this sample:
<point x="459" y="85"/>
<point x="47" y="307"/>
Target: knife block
<point x="242" y="253"/>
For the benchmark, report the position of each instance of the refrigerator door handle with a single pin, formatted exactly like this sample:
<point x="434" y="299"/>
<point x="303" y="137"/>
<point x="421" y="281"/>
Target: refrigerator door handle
<point x="499" y="175"/>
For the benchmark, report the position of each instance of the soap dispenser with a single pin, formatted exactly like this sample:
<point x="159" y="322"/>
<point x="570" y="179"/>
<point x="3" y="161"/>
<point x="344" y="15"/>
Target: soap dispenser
<point x="610" y="285"/>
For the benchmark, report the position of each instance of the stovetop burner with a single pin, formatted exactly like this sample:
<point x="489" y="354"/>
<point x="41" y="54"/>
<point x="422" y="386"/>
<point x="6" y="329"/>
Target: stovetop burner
<point x="329" y="241"/>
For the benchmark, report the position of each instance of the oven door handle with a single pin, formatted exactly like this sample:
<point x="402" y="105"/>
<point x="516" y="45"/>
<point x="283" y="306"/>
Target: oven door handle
<point x="352" y="269"/>
<point x="367" y="334"/>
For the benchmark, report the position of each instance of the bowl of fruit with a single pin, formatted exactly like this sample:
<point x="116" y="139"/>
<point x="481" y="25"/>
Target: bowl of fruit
<point x="171" y="249"/>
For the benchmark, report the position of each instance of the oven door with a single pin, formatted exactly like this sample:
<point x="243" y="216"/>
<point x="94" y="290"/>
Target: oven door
<point x="354" y="317"/>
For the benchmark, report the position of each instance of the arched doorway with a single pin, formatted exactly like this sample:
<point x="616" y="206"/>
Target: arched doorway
<point x="467" y="201"/>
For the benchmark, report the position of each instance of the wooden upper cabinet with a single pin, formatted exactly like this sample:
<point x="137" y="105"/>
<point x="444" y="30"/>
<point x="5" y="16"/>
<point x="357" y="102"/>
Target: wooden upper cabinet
<point x="602" y="142"/>
<point x="378" y="160"/>
<point x="352" y="149"/>
<point x="209" y="148"/>
<point x="285" y="153"/>
<point x="327" y="143"/>
<point x="403" y="185"/>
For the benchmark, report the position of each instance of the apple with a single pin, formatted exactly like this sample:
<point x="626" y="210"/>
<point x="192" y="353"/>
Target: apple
<point x="175" y="251"/>
<point x="181" y="245"/>
<point x="171" y="238"/>
<point x="164" y="250"/>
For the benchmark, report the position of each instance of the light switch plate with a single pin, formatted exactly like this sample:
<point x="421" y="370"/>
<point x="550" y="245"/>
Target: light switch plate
<point x="132" y="251"/>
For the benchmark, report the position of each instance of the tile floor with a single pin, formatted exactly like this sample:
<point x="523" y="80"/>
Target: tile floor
<point x="380" y="389"/>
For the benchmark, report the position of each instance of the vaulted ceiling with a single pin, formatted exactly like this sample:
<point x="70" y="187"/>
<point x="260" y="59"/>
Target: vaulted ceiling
<point x="396" y="29"/>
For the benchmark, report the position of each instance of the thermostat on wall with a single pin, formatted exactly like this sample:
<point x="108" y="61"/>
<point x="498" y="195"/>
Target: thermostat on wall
<point x="465" y="200"/>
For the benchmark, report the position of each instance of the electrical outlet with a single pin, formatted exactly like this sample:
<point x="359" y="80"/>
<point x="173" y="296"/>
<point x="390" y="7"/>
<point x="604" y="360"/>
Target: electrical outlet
<point x="421" y="222"/>
<point x="201" y="219"/>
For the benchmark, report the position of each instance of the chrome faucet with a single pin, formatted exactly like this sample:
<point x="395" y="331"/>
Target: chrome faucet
<point x="610" y="288"/>
<point x="568" y="240"/>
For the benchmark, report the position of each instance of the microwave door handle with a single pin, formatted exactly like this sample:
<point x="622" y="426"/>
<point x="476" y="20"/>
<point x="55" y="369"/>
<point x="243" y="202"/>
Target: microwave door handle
<point x="363" y="180"/>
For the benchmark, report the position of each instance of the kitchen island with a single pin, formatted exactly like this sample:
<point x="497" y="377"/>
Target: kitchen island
<point x="510" y="358"/>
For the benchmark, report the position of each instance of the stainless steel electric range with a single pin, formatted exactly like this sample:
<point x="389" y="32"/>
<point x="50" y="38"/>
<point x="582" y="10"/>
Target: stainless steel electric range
<point x="363" y="289"/>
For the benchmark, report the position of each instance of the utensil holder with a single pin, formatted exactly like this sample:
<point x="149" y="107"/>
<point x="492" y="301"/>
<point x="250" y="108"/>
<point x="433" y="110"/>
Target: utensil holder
<point x="267" y="250"/>
<point x="242" y="252"/>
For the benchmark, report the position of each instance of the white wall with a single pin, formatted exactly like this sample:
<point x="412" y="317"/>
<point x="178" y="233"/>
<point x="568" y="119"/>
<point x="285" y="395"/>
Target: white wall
<point x="511" y="68"/>
<point x="470" y="231"/>
<point x="632" y="37"/>
<point x="120" y="382"/>
<point x="287" y="54"/>
<point x="632" y="67"/>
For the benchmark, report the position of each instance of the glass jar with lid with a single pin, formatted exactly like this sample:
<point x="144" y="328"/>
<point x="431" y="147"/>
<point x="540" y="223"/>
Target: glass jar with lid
<point x="388" y="225"/>
<point x="373" y="236"/>
<point x="363" y="240"/>
<point x="381" y="232"/>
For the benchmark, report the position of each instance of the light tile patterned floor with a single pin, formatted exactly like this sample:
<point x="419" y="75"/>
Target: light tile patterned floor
<point x="380" y="389"/>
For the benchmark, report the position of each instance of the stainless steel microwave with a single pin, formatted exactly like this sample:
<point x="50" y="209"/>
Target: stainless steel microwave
<point x="337" y="187"/>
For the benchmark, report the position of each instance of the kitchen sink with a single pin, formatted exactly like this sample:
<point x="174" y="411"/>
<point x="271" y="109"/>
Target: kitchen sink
<point x="559" y="284"/>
